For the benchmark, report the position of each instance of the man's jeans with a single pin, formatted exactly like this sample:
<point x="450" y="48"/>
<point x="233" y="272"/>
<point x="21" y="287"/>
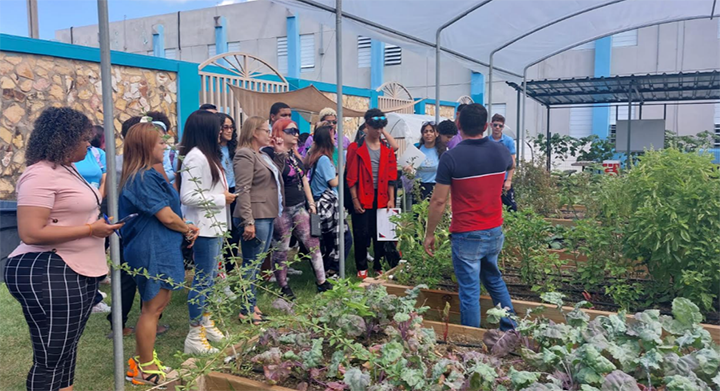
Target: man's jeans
<point x="475" y="256"/>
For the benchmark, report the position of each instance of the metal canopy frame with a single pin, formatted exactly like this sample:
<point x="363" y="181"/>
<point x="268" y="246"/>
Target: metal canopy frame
<point x="590" y="92"/>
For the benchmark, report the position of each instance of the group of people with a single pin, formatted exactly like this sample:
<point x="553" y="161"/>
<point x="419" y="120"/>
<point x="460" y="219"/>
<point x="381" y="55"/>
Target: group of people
<point x="261" y="183"/>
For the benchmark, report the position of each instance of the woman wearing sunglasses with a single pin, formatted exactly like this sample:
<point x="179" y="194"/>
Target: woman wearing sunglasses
<point x="328" y="117"/>
<point x="294" y="219"/>
<point x="371" y="176"/>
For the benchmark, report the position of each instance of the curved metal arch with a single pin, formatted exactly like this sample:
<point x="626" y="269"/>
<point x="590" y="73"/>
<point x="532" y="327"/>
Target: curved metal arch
<point x="618" y="32"/>
<point x="533" y="31"/>
<point x="242" y="64"/>
<point x="437" y="52"/>
<point x="394" y="90"/>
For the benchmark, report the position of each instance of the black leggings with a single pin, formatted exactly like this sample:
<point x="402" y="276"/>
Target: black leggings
<point x="56" y="302"/>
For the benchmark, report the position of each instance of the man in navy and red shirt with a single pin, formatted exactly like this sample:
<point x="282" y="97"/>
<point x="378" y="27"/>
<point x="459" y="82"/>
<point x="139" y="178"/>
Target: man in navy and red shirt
<point x="475" y="172"/>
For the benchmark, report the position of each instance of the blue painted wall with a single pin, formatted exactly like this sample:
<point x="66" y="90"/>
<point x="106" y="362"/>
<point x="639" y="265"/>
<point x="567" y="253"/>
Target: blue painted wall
<point x="221" y="43"/>
<point x="377" y="64"/>
<point x="293" y="46"/>
<point x="188" y="78"/>
<point x="477" y="87"/>
<point x="159" y="41"/>
<point x="601" y="115"/>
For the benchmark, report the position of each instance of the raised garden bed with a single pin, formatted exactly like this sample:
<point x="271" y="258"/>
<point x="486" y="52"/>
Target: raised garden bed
<point x="437" y="299"/>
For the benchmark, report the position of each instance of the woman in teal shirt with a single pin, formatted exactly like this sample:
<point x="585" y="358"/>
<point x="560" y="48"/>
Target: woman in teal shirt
<point x="432" y="148"/>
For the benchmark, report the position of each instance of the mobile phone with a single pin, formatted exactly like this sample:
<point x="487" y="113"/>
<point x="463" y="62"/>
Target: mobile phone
<point x="127" y="218"/>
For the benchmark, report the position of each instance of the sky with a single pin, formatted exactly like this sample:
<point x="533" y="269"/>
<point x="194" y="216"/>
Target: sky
<point x="61" y="14"/>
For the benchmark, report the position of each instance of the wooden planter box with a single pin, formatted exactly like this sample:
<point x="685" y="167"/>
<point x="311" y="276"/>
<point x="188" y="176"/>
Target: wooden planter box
<point x="563" y="222"/>
<point x="436" y="299"/>
<point x="218" y="381"/>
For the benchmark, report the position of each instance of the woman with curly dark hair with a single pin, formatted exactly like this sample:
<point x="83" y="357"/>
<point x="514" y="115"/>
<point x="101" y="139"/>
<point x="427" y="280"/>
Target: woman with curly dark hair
<point x="54" y="272"/>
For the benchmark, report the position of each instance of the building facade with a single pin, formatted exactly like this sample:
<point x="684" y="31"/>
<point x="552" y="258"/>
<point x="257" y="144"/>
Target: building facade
<point x="301" y="48"/>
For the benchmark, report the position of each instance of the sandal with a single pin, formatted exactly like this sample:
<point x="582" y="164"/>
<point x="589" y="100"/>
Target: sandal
<point x="256" y="322"/>
<point x="138" y="375"/>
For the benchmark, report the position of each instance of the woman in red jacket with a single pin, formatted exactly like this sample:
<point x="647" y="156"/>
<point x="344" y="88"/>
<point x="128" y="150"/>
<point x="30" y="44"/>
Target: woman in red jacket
<point x="371" y="176"/>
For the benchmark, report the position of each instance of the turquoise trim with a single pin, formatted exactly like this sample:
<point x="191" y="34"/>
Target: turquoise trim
<point x="303" y="126"/>
<point x="159" y="41"/>
<point x="601" y="115"/>
<point x="293" y="46"/>
<point x="477" y="87"/>
<point x="187" y="72"/>
<point x="188" y="96"/>
<point x="420" y="107"/>
<point x="377" y="64"/>
<point x="221" y="44"/>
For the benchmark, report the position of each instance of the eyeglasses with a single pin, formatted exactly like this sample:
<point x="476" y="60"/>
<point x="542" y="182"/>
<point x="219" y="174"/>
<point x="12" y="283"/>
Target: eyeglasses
<point x="228" y="127"/>
<point x="426" y="123"/>
<point x="333" y="122"/>
<point x="292" y="131"/>
<point x="383" y="118"/>
<point x="498" y="125"/>
<point x="267" y="130"/>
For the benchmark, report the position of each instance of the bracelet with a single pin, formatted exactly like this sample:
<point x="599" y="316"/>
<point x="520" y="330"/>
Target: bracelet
<point x="90" y="227"/>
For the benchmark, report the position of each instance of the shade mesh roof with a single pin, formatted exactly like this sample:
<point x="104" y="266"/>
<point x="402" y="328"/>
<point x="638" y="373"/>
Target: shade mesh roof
<point x="521" y="32"/>
<point x="643" y="88"/>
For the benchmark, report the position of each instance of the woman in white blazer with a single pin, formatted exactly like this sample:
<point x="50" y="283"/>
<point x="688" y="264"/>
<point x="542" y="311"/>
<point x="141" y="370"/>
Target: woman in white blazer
<point x="203" y="188"/>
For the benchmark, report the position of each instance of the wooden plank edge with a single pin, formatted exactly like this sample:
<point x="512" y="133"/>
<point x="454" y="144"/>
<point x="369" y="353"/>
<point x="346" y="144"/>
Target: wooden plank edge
<point x="217" y="381"/>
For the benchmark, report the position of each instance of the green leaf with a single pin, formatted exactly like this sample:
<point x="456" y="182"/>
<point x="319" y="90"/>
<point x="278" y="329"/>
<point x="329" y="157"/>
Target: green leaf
<point x="392" y="351"/>
<point x="651" y="359"/>
<point x="708" y="360"/>
<point x="553" y="298"/>
<point x="588" y="376"/>
<point x="401" y="317"/>
<point x="586" y="387"/>
<point x="716" y="380"/>
<point x="680" y="383"/>
<point x="619" y="381"/>
<point x="414" y="378"/>
<point x="521" y="379"/>
<point x="496" y="313"/>
<point x="356" y="379"/>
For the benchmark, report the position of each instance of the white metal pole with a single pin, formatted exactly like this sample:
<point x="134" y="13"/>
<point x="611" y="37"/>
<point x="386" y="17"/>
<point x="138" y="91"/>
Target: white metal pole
<point x="437" y="76"/>
<point x="111" y="186"/>
<point x="340" y="134"/>
<point x="524" y="101"/>
<point x="490" y="85"/>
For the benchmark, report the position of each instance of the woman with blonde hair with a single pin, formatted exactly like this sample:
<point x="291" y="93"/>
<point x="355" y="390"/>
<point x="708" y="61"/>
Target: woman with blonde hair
<point x="259" y="186"/>
<point x="151" y="241"/>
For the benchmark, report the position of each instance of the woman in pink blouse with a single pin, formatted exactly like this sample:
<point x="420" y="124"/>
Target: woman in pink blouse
<point x="54" y="272"/>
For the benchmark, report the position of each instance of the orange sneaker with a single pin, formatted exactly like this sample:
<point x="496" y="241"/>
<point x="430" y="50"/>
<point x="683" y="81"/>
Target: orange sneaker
<point x="362" y="274"/>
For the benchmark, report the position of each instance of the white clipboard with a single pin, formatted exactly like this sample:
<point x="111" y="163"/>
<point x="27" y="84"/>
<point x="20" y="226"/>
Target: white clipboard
<point x="386" y="228"/>
<point x="412" y="156"/>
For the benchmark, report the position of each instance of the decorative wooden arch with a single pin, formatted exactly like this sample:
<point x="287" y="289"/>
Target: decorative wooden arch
<point x="394" y="95"/>
<point x="239" y="69"/>
<point x="466" y="100"/>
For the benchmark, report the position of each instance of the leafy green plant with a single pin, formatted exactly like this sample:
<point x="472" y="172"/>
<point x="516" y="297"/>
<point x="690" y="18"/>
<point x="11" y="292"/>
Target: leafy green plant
<point x="674" y="204"/>
<point x="421" y="268"/>
<point x="536" y="188"/>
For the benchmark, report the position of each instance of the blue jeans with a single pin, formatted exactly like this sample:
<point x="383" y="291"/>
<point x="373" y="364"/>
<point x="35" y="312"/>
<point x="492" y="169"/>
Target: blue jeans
<point x="251" y="249"/>
<point x="207" y="252"/>
<point x="475" y="256"/>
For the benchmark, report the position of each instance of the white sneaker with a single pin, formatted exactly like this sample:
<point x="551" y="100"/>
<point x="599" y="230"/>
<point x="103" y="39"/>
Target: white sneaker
<point x="101" y="308"/>
<point x="294" y="272"/>
<point x="212" y="333"/>
<point x="197" y="343"/>
<point x="103" y="294"/>
<point x="106" y="281"/>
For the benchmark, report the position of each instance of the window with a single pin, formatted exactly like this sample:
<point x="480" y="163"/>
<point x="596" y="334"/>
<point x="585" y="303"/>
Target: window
<point x="717" y="125"/>
<point x="628" y="38"/>
<point x="618" y="113"/>
<point x="393" y="55"/>
<point x="585" y="46"/>
<point x="307" y="52"/>
<point x="233" y="46"/>
<point x="580" y="122"/>
<point x="171" y="54"/>
<point x="499" y="108"/>
<point x="211" y="51"/>
<point x="364" y="52"/>
<point x="282" y="59"/>
<point x="150" y="52"/>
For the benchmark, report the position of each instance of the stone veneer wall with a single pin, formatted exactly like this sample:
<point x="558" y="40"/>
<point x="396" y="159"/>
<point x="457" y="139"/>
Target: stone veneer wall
<point x="31" y="83"/>
<point x="445" y="111"/>
<point x="359" y="103"/>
